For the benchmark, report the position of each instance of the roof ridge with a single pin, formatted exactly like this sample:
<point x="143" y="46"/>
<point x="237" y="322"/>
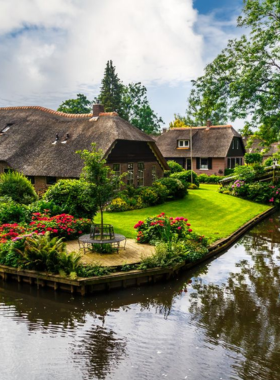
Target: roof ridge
<point x="48" y="110"/>
<point x="202" y="127"/>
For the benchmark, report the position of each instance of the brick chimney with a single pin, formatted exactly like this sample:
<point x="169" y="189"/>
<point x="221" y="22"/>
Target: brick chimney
<point x="97" y="109"/>
<point x="164" y="130"/>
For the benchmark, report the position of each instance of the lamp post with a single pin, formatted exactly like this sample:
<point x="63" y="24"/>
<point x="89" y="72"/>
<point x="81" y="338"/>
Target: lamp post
<point x="274" y="167"/>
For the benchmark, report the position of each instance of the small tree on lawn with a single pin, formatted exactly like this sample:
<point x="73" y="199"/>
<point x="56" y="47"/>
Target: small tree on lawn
<point x="103" y="181"/>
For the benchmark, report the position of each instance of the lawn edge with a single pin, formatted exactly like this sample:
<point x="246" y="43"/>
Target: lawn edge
<point x="122" y="280"/>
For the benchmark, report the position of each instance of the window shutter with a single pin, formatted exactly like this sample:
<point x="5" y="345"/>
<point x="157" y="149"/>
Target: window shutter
<point x="198" y="163"/>
<point x="209" y="163"/>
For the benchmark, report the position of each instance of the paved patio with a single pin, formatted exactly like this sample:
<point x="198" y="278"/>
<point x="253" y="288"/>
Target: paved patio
<point x="132" y="254"/>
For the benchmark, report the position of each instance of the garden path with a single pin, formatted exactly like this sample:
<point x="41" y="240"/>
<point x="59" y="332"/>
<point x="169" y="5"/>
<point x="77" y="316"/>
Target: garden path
<point x="132" y="254"/>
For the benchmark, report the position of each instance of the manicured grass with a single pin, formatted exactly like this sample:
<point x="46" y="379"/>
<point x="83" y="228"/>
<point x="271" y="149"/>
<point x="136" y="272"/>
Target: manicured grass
<point x="210" y="213"/>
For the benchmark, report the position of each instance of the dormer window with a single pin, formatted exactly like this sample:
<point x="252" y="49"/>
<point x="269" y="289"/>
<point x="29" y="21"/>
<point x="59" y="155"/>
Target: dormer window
<point x="8" y="126"/>
<point x="183" y="143"/>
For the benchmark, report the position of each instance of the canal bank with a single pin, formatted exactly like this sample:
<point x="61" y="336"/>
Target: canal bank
<point x="217" y="320"/>
<point x="119" y="280"/>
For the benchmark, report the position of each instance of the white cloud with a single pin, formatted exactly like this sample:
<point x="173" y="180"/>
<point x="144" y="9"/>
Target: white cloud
<point x="57" y="46"/>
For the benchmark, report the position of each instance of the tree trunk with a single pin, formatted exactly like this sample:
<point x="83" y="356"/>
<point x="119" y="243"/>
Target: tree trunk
<point x="101" y="211"/>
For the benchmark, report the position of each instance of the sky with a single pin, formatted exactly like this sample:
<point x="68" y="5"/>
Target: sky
<point x="52" y="50"/>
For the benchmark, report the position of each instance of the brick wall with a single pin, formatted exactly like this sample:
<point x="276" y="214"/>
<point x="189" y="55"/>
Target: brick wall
<point x="217" y="164"/>
<point x="147" y="172"/>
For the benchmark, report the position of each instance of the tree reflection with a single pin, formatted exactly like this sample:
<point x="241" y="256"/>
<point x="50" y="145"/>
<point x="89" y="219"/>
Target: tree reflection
<point x="244" y="312"/>
<point x="98" y="350"/>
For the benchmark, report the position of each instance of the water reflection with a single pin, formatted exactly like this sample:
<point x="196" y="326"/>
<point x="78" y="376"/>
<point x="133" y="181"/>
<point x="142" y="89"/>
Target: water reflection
<point x="219" y="321"/>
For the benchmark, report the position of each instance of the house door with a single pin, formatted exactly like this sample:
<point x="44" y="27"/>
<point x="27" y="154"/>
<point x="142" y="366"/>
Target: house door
<point x="189" y="164"/>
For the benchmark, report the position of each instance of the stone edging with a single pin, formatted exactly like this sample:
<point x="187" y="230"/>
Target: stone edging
<point x="122" y="279"/>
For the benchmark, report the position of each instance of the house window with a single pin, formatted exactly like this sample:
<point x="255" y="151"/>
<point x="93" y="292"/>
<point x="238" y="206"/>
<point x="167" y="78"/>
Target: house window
<point x="237" y="144"/>
<point x="232" y="162"/>
<point x="154" y="173"/>
<point x="51" y="180"/>
<point x="117" y="169"/>
<point x="140" y="174"/>
<point x="130" y="175"/>
<point x="6" y="128"/>
<point x="232" y="145"/>
<point x="183" y="143"/>
<point x="31" y="179"/>
<point x="204" y="163"/>
<point x="8" y="170"/>
<point x="117" y="172"/>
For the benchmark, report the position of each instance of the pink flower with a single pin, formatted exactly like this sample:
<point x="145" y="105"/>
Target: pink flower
<point x="271" y="199"/>
<point x="179" y="228"/>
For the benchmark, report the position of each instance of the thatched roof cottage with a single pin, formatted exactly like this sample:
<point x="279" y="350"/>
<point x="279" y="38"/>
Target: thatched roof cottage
<point x="212" y="149"/>
<point x="42" y="144"/>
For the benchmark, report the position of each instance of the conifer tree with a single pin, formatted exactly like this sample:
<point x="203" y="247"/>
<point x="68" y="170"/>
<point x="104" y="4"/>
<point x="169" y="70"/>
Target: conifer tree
<point x="111" y="90"/>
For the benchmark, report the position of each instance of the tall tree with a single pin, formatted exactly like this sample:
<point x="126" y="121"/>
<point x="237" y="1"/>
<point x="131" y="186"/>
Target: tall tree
<point x="102" y="180"/>
<point x="137" y="110"/>
<point x="244" y="80"/>
<point x="79" y="105"/>
<point x="111" y="90"/>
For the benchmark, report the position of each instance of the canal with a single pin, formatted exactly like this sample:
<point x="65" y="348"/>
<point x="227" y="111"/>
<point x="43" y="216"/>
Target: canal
<point x="220" y="321"/>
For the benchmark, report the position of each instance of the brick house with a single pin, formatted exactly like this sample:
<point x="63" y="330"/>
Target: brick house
<point x="42" y="144"/>
<point x="212" y="149"/>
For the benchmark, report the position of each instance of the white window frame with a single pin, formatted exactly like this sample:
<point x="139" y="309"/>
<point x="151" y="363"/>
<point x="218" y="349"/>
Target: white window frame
<point x="235" y="163"/>
<point x="185" y="144"/>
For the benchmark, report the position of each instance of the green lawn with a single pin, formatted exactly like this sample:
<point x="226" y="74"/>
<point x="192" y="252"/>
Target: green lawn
<point x="210" y="213"/>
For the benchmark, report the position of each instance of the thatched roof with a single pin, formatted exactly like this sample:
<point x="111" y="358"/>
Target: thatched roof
<point x="259" y="146"/>
<point x="207" y="142"/>
<point x="27" y="145"/>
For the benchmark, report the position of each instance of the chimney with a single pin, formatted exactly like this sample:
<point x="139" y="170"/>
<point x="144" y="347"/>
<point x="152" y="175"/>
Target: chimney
<point x="208" y="124"/>
<point x="164" y="130"/>
<point x="97" y="109"/>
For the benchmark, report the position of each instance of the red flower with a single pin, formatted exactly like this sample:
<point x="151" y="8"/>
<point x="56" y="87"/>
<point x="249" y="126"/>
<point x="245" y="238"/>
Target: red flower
<point x="190" y="230"/>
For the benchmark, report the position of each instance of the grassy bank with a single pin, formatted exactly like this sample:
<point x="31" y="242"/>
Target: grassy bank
<point x="210" y="213"/>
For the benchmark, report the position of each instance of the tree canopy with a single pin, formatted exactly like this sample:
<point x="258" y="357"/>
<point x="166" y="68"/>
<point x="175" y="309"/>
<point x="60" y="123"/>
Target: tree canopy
<point x="244" y="80"/>
<point x="111" y="90"/>
<point x="129" y="101"/>
<point x="79" y="105"/>
<point x="137" y="110"/>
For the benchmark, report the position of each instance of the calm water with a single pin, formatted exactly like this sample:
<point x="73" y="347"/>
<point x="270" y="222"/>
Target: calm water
<point x="222" y="321"/>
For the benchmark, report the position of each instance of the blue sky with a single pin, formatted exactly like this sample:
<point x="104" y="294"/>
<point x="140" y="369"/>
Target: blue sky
<point x="50" y="51"/>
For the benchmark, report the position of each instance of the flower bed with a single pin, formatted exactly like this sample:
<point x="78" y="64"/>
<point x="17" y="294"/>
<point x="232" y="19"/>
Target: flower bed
<point x="261" y="192"/>
<point x="62" y="225"/>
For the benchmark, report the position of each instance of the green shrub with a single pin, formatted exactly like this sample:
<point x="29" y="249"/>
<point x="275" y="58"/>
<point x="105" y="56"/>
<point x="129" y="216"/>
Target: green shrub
<point x="73" y="196"/>
<point x="118" y="204"/>
<point x="192" y="186"/>
<point x="186" y="176"/>
<point x="228" y="172"/>
<point x="176" y="189"/>
<point x="16" y="186"/>
<point x="204" y="178"/>
<point x="44" y="206"/>
<point x="252" y="158"/>
<point x="149" y="196"/>
<point x="161" y="191"/>
<point x="13" y="212"/>
<point x="244" y="173"/>
<point x="175" y="167"/>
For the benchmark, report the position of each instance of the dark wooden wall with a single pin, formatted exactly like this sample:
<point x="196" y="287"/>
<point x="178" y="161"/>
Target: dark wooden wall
<point x="236" y="152"/>
<point x="131" y="151"/>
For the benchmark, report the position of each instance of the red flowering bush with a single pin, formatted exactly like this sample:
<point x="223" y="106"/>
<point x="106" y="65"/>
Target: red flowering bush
<point x="62" y="225"/>
<point x="162" y="228"/>
<point x="10" y="231"/>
